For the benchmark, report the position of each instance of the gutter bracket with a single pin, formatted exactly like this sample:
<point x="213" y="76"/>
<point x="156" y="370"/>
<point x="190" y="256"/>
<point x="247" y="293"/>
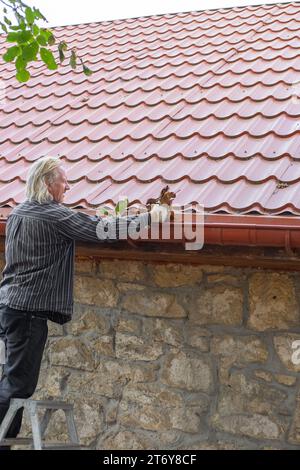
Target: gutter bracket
<point x="287" y="244"/>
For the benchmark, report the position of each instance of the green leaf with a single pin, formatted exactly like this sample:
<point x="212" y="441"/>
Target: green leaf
<point x="30" y="15"/>
<point x="48" y="35"/>
<point x="35" y="30"/>
<point x="7" y="21"/>
<point x="23" y="76"/>
<point x="22" y="25"/>
<point x="105" y="210"/>
<point x="51" y="40"/>
<point x="4" y="28"/>
<point x="48" y="58"/>
<point x="24" y="36"/>
<point x="15" y="28"/>
<point x="21" y="63"/>
<point x="73" y="60"/>
<point x="42" y="40"/>
<point x="88" y="72"/>
<point x="62" y="46"/>
<point x="38" y="14"/>
<point x="102" y="211"/>
<point x="61" y="56"/>
<point x="121" y="206"/>
<point x="45" y="32"/>
<point x="30" y="51"/>
<point x="20" y="18"/>
<point x="12" y="37"/>
<point x="11" y="53"/>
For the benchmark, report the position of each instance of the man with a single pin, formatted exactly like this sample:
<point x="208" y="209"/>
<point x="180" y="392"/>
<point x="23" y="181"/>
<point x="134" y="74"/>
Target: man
<point x="37" y="280"/>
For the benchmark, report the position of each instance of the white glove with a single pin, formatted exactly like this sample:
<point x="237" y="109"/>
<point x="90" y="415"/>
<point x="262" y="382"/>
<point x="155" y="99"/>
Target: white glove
<point x="159" y="213"/>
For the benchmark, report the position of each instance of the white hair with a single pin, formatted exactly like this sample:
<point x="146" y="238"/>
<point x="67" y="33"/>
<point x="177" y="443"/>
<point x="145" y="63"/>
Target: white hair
<point x="43" y="171"/>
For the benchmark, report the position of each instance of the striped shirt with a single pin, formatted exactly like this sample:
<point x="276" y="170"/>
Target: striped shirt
<point x="40" y="252"/>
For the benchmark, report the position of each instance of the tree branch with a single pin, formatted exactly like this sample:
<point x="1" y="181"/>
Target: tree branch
<point x="6" y="4"/>
<point x="30" y="40"/>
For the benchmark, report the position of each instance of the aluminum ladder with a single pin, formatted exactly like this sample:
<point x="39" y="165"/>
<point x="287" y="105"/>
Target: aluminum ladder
<point x="39" y="428"/>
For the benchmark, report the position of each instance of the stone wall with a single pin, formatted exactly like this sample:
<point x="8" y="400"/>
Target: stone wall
<point x="177" y="357"/>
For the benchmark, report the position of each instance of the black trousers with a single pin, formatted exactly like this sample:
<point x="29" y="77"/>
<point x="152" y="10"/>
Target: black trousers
<point x="25" y="337"/>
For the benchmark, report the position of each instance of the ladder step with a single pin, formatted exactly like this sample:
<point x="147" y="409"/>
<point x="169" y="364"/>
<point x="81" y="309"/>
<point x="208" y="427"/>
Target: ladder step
<point x="56" y="405"/>
<point x="50" y="404"/>
<point x="16" y="441"/>
<point x="61" y="446"/>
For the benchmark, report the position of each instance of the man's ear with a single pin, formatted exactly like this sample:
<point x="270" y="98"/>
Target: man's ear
<point x="48" y="185"/>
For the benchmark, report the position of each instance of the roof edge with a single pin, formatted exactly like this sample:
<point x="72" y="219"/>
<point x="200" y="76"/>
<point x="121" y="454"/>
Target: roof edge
<point x="234" y="230"/>
<point x="172" y="13"/>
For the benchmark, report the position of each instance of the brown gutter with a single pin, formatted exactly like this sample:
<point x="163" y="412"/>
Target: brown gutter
<point x="232" y="230"/>
<point x="244" y="230"/>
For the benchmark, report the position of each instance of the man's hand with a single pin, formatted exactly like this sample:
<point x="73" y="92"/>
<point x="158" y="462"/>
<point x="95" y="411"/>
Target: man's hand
<point x="159" y="213"/>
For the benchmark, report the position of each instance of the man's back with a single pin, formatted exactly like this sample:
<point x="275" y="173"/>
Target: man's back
<point x="38" y="275"/>
<point x="40" y="251"/>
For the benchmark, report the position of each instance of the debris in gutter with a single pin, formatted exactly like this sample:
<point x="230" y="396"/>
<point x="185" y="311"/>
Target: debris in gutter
<point x="281" y="185"/>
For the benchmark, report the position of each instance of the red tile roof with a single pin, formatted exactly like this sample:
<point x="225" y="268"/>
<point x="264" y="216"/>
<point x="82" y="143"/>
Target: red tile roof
<point x="203" y="101"/>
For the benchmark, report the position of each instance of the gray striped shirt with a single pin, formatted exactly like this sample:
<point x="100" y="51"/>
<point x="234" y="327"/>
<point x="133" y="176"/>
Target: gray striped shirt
<point x="39" y="251"/>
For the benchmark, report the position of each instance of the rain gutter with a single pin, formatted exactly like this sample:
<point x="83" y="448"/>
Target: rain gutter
<point x="233" y="230"/>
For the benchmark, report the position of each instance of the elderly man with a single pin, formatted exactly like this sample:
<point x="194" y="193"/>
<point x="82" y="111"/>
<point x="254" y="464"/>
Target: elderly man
<point x="37" y="280"/>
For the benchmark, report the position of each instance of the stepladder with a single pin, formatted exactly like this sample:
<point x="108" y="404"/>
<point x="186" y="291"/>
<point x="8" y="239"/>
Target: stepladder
<point x="39" y="424"/>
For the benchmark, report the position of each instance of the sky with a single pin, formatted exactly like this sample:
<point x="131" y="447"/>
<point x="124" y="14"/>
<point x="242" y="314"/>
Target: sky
<point x="63" y="12"/>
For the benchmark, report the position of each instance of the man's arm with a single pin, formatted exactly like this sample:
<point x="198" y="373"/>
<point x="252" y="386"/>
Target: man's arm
<point x="83" y="227"/>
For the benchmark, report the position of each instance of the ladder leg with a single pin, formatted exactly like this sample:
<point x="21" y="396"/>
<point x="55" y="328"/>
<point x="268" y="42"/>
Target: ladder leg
<point x="4" y="427"/>
<point x="36" y="429"/>
<point x="45" y="421"/>
<point x="71" y="426"/>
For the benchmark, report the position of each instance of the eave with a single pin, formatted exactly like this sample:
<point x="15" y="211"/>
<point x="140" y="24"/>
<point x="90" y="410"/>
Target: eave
<point x="270" y="242"/>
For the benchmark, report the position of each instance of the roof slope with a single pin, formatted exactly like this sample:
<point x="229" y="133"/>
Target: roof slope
<point x="203" y="101"/>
